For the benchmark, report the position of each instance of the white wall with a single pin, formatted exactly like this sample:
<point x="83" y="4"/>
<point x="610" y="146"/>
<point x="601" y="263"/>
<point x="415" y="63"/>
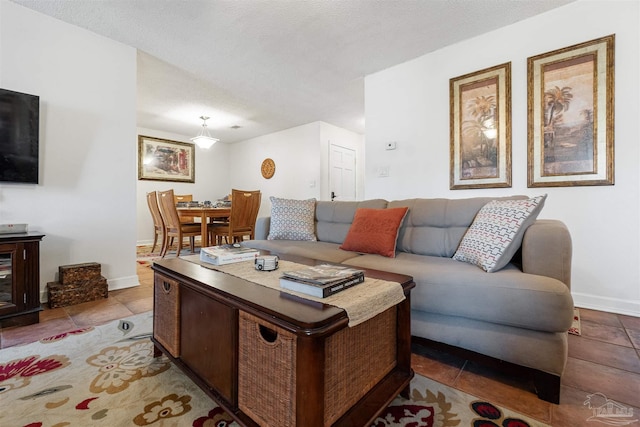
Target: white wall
<point x="409" y="103"/>
<point x="85" y="202"/>
<point x="300" y="155"/>
<point x="211" y="180"/>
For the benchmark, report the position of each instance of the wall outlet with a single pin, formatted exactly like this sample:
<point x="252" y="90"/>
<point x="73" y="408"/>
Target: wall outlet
<point x="383" y="171"/>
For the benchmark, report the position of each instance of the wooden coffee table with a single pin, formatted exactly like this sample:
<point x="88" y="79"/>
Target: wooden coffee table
<point x="273" y="359"/>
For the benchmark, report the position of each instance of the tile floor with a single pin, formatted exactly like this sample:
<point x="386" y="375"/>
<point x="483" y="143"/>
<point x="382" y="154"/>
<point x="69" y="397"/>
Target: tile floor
<point x="605" y="359"/>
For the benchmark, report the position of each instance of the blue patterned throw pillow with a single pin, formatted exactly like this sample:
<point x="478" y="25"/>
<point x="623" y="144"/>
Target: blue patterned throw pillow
<point x="497" y="232"/>
<point x="292" y="219"/>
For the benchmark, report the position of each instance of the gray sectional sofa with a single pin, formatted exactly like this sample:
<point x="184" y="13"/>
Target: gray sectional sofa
<point x="519" y="314"/>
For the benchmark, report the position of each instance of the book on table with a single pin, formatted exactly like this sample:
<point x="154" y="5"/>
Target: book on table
<point x="322" y="274"/>
<point x="320" y="291"/>
<point x="227" y="254"/>
<point x="321" y="280"/>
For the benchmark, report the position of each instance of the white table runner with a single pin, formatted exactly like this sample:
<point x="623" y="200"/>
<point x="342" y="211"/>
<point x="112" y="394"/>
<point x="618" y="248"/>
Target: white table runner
<point x="361" y="302"/>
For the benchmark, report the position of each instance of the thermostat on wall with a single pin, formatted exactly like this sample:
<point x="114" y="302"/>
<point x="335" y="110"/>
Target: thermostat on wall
<point x="390" y="145"/>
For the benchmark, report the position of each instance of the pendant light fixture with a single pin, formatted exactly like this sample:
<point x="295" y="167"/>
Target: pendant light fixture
<point x="204" y="140"/>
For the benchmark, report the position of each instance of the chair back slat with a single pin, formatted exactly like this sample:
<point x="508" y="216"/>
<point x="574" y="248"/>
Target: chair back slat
<point x="152" y="202"/>
<point x="168" y="209"/>
<point x="244" y="209"/>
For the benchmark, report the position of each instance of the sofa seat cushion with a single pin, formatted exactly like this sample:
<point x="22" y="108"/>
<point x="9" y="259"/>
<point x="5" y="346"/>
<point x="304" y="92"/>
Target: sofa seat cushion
<point x="508" y="297"/>
<point x="324" y="251"/>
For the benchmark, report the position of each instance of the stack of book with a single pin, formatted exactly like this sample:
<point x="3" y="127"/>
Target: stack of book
<point x="321" y="280"/>
<point x="227" y="254"/>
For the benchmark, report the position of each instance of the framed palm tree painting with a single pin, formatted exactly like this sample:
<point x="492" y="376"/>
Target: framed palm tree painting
<point x="570" y="115"/>
<point x="480" y="129"/>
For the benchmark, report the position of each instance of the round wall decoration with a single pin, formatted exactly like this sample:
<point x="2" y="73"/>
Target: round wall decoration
<point x="268" y="168"/>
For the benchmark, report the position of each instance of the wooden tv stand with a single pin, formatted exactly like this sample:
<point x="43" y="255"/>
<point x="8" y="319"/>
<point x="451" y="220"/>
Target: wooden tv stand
<point x="273" y="359"/>
<point x="20" y="279"/>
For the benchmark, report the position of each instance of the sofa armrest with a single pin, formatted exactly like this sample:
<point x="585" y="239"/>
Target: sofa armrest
<point x="547" y="250"/>
<point x="262" y="228"/>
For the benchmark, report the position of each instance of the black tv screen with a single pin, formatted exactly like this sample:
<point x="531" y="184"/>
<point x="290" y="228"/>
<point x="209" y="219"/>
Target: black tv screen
<point x="19" y="129"/>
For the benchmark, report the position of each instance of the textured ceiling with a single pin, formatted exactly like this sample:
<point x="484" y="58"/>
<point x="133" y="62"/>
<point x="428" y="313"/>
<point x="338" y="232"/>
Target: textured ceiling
<point x="268" y="65"/>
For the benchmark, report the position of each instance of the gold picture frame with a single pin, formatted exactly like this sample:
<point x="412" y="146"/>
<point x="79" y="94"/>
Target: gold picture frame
<point x="570" y="97"/>
<point x="480" y="129"/>
<point x="165" y="160"/>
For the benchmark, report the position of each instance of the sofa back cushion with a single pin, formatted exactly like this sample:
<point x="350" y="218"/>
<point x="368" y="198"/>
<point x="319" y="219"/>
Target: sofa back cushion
<point x="333" y="219"/>
<point x="436" y="226"/>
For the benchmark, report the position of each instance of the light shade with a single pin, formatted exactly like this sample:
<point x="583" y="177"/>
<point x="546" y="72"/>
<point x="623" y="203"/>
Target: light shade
<point x="204" y="140"/>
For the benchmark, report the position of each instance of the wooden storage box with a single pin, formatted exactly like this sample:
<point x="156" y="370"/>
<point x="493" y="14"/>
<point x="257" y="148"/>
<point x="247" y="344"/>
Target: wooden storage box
<point x="62" y="295"/>
<point x="79" y="273"/>
<point x="355" y="360"/>
<point x="166" y="319"/>
<point x="77" y="283"/>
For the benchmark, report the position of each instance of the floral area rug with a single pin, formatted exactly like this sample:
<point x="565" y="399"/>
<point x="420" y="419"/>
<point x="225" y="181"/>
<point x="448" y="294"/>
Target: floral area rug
<point x="107" y="376"/>
<point x="145" y="256"/>
<point x="575" y="328"/>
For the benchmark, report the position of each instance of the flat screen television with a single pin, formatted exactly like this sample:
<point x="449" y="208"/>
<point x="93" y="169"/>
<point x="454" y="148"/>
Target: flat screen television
<point x="19" y="129"/>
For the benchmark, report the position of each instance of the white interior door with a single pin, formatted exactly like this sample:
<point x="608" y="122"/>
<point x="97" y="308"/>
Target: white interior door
<point x="342" y="175"/>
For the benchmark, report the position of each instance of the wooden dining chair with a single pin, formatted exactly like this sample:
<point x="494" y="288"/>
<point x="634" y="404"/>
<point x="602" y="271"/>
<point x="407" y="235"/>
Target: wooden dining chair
<point x="179" y="198"/>
<point x="242" y="220"/>
<point x="172" y="225"/>
<point x="158" y="223"/>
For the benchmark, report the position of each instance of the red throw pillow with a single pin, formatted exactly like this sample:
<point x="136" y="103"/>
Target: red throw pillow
<point x="375" y="231"/>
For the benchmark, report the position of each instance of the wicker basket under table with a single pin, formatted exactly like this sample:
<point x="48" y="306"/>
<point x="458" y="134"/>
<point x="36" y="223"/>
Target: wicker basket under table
<point x="166" y="305"/>
<point x="355" y="359"/>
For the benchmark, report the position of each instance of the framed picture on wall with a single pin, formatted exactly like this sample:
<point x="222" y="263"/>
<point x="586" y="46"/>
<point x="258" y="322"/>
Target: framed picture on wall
<point x="571" y="116"/>
<point x="480" y="129"/>
<point x="165" y="160"/>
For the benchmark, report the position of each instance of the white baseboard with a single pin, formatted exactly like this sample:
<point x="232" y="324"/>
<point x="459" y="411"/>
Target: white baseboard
<point x="123" y="282"/>
<point x="608" y="304"/>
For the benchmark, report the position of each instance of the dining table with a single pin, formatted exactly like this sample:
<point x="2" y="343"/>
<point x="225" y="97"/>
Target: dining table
<point x="204" y="213"/>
